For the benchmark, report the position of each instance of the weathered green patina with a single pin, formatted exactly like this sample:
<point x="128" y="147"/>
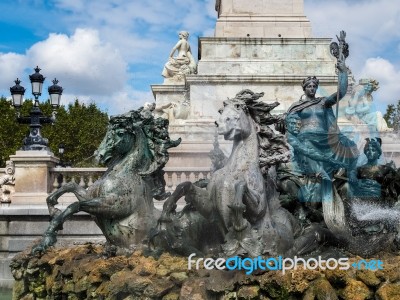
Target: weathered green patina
<point x="135" y="149"/>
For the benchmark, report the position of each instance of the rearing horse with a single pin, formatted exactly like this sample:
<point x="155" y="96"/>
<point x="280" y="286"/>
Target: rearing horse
<point x="239" y="198"/>
<point x="121" y="201"/>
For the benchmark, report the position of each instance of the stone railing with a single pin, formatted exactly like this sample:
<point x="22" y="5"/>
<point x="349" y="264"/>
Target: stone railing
<point x="86" y="176"/>
<point x="82" y="176"/>
<point x="174" y="176"/>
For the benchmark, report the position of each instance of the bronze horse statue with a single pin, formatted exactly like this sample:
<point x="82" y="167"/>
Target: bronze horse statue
<point x="240" y="202"/>
<point x="121" y="201"/>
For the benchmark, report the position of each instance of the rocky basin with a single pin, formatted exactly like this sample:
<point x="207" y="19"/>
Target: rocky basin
<point x="82" y="272"/>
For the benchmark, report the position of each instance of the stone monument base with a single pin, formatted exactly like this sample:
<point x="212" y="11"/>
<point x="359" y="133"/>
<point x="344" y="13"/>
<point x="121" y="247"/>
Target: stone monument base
<point x="33" y="176"/>
<point x="22" y="225"/>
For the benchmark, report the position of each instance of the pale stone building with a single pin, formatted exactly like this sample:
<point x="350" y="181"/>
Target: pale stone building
<point x="266" y="47"/>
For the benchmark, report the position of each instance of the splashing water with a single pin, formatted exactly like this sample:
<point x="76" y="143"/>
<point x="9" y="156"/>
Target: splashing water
<point x="375" y="212"/>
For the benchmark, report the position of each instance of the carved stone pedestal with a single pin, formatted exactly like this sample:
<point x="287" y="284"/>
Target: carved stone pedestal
<point x="32" y="176"/>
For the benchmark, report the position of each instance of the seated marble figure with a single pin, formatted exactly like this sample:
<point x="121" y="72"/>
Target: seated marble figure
<point x="361" y="110"/>
<point x="183" y="63"/>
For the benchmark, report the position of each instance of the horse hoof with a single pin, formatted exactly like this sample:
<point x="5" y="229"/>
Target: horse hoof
<point x="51" y="200"/>
<point x="38" y="249"/>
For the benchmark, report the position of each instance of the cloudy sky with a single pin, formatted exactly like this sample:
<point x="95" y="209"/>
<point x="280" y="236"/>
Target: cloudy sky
<point x="110" y="51"/>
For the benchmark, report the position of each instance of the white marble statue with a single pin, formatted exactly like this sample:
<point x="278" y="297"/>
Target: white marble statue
<point x="7" y="183"/>
<point x="173" y="110"/>
<point x="360" y="109"/>
<point x="183" y="63"/>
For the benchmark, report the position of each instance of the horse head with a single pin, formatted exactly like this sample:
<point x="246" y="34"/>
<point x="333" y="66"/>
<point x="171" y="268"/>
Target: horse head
<point x="118" y="141"/>
<point x="234" y="122"/>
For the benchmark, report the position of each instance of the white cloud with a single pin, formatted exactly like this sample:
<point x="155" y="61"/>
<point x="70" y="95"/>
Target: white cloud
<point x="373" y="36"/>
<point x="12" y="66"/>
<point x="371" y="26"/>
<point x="140" y="34"/>
<point x="81" y="61"/>
<point x="73" y="5"/>
<point x="116" y="103"/>
<point x="129" y="99"/>
<point x="388" y="76"/>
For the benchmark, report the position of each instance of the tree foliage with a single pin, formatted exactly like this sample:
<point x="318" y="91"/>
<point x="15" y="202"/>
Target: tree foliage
<point x="80" y="127"/>
<point x="392" y="115"/>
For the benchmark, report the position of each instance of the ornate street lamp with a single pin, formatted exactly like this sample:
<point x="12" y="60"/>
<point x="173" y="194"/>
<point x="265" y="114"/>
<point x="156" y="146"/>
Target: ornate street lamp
<point x="61" y="149"/>
<point x="35" y="141"/>
<point x="17" y="93"/>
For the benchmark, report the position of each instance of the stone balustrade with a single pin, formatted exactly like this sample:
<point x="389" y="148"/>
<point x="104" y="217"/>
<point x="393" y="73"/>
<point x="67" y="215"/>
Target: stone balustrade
<point x="82" y="176"/>
<point x="174" y="175"/>
<point x="86" y="176"/>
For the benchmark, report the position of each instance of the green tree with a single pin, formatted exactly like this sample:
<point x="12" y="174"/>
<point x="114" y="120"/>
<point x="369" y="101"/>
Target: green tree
<point x="80" y="127"/>
<point x="11" y="134"/>
<point x="392" y="115"/>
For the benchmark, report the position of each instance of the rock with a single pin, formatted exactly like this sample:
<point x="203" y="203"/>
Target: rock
<point x="356" y="290"/>
<point x="19" y="289"/>
<point x="162" y="271"/>
<point x="127" y="281"/>
<point x="230" y="296"/>
<point x="17" y="273"/>
<point x="249" y="292"/>
<point x="68" y="286"/>
<point x="173" y="263"/>
<point x="37" y="284"/>
<point x="368" y="277"/>
<point x="178" y="277"/>
<point x="337" y="277"/>
<point x="101" y="269"/>
<point x="193" y="289"/>
<point x="276" y="284"/>
<point x="220" y="281"/>
<point x="55" y="288"/>
<point x="146" y="266"/>
<point x="390" y="271"/>
<point x="301" y="279"/>
<point x="158" y="288"/>
<point x="171" y="296"/>
<point x="90" y="276"/>
<point x="28" y="297"/>
<point x="82" y="285"/>
<point x="320" y="289"/>
<point x="388" y="291"/>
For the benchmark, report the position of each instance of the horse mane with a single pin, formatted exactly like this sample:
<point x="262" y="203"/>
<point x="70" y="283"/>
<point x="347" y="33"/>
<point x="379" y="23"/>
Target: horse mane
<point x="273" y="146"/>
<point x="155" y="131"/>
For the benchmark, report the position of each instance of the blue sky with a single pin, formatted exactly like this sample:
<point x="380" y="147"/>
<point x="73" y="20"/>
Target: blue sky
<point x="111" y="51"/>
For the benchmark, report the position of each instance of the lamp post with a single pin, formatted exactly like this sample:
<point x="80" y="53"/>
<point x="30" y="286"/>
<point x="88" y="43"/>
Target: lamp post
<point x="61" y="149"/>
<point x="35" y="141"/>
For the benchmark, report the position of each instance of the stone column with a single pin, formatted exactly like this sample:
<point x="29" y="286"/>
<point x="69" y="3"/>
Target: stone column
<point x="32" y="176"/>
<point x="262" y="45"/>
<point x="262" y="19"/>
